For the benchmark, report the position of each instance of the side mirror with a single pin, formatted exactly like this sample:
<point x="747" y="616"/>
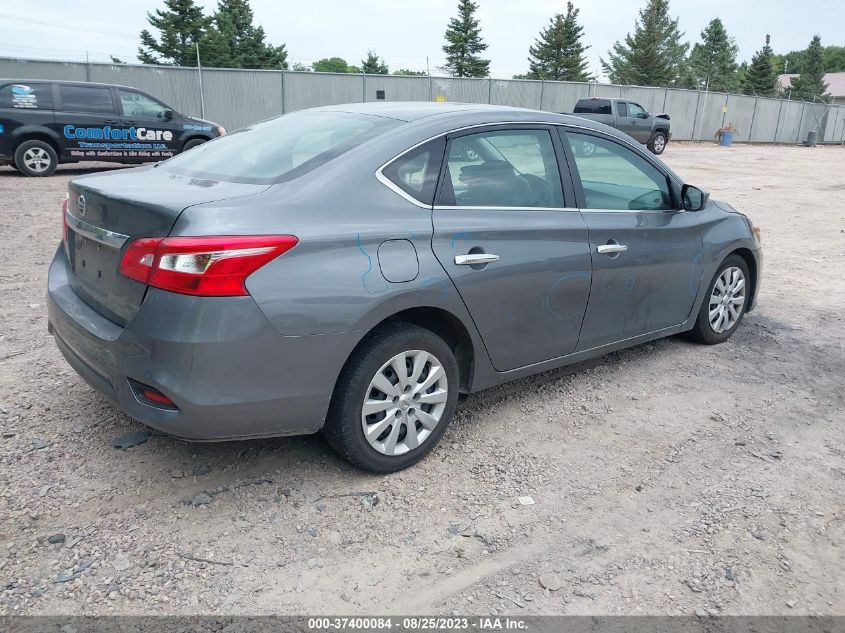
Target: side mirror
<point x="168" y="114"/>
<point x="693" y="198"/>
<point x="643" y="115"/>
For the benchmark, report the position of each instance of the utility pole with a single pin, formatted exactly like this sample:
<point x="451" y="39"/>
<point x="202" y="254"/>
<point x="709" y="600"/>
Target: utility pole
<point x="199" y="71"/>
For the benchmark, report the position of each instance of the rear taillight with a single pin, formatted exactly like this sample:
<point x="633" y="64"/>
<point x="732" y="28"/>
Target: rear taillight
<point x="202" y="266"/>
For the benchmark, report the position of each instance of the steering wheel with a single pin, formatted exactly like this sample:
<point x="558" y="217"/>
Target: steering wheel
<point x="538" y="190"/>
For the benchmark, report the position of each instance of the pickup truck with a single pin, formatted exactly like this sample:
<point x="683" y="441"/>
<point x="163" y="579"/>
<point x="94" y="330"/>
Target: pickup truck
<point x="626" y="116"/>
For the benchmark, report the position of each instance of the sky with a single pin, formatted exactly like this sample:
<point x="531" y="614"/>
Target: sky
<point x="407" y="34"/>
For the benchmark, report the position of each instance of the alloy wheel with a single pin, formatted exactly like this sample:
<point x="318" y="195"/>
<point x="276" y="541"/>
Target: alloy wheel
<point x="36" y="159"/>
<point x="404" y="402"/>
<point x="727" y="300"/>
<point x="659" y="143"/>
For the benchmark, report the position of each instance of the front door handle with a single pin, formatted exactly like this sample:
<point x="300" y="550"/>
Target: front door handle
<point x="476" y="258"/>
<point x="112" y="121"/>
<point x="609" y="249"/>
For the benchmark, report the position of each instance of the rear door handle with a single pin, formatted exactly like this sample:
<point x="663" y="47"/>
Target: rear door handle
<point x="112" y="121"/>
<point x="476" y="258"/>
<point x="609" y="249"/>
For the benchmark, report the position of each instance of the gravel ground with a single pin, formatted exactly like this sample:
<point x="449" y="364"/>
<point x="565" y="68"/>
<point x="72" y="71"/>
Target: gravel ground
<point x="666" y="479"/>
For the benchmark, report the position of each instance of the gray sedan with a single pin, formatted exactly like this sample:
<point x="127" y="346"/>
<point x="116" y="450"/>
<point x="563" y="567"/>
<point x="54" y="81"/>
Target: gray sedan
<point x="353" y="269"/>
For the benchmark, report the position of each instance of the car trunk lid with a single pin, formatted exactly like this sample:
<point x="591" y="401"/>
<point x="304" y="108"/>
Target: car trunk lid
<point x="108" y="211"/>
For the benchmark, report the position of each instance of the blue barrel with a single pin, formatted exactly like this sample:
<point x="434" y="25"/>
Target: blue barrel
<point x="726" y="139"/>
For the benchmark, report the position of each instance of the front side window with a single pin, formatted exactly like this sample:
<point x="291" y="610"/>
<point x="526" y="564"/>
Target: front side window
<point x="416" y="172"/>
<point x="636" y="110"/>
<point x="280" y="149"/>
<point x="27" y="96"/>
<point x="136" y="104"/>
<point x="86" y="99"/>
<point x="614" y="177"/>
<point x="503" y="168"/>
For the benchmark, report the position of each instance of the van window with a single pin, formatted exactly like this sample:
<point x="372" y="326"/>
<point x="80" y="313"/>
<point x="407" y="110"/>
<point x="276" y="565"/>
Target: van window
<point x="27" y="96"/>
<point x="136" y="104"/>
<point x="592" y="106"/>
<point x="86" y="99"/>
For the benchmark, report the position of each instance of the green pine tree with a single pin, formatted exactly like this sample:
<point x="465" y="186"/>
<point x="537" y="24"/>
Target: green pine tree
<point x="810" y="83"/>
<point x="761" y="78"/>
<point x="374" y="65"/>
<point x="181" y="25"/>
<point x="712" y="61"/>
<point x="558" y="53"/>
<point x="407" y="72"/>
<point x="654" y="55"/>
<point x="464" y="43"/>
<point x="236" y="42"/>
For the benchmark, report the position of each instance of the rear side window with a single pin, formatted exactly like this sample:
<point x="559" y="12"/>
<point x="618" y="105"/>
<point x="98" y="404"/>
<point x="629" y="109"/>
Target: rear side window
<point x="593" y="106"/>
<point x="502" y="168"/>
<point x="622" y="109"/>
<point x="416" y="172"/>
<point x="89" y="99"/>
<point x="280" y="149"/>
<point x="27" y="96"/>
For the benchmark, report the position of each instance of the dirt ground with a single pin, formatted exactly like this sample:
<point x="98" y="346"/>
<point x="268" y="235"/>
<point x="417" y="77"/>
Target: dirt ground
<point x="667" y="479"/>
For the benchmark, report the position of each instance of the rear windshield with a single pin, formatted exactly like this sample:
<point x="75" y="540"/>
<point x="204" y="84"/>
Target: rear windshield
<point x="592" y="106"/>
<point x="279" y="149"/>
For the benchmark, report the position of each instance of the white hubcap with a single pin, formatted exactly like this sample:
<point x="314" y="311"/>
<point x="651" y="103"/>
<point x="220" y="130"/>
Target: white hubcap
<point x="727" y="301"/>
<point x="404" y="402"/>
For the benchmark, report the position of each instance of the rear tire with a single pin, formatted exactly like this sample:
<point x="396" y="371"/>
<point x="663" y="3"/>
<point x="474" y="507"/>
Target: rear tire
<point x="36" y="158"/>
<point x="421" y="401"/>
<point x="718" y="319"/>
<point x="657" y="143"/>
<point x="193" y="143"/>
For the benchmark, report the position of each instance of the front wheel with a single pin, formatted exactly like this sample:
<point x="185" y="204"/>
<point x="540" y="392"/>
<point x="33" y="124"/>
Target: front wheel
<point x="724" y="305"/>
<point x="193" y="143"/>
<point x="394" y="398"/>
<point x="657" y="143"/>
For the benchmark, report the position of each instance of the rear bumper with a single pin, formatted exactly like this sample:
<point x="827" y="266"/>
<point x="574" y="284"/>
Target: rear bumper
<point x="229" y="373"/>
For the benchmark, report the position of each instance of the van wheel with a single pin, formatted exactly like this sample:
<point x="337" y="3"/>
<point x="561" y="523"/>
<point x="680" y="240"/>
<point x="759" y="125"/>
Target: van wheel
<point x="193" y="143"/>
<point x="394" y="398"/>
<point x="36" y="158"/>
<point x="657" y="143"/>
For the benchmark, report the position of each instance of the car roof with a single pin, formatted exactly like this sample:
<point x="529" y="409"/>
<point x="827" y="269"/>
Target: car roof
<point x="4" y="81"/>
<point x="448" y="113"/>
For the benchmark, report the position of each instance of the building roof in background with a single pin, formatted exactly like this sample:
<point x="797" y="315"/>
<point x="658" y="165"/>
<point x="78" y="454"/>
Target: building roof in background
<point x="835" y="83"/>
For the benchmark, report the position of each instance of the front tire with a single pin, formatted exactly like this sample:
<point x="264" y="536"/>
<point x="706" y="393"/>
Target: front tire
<point x="724" y="304"/>
<point x="193" y="143"/>
<point x="393" y="399"/>
<point x="36" y="158"/>
<point x="657" y="143"/>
